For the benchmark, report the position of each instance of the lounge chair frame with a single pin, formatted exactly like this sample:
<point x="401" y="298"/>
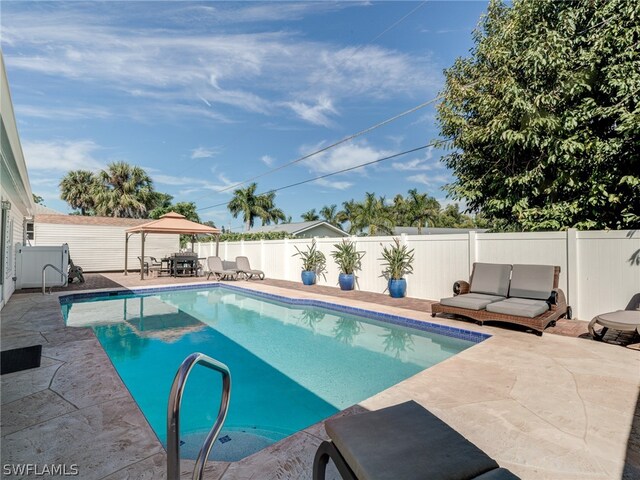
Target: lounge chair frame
<point x="558" y="308"/>
<point x="326" y="451"/>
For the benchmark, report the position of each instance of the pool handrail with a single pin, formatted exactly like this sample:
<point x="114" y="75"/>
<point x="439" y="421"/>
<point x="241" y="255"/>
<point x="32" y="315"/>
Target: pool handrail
<point x="173" y="414"/>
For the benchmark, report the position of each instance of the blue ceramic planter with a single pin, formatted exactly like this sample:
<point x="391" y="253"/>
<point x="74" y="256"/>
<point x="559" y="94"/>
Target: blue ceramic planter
<point x="397" y="288"/>
<point x="308" y="278"/>
<point x="346" y="281"/>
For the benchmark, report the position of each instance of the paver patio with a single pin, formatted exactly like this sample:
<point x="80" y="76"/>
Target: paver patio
<point x="545" y="407"/>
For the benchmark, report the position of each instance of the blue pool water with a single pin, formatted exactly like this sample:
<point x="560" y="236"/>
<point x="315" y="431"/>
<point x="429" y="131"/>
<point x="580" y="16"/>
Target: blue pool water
<point x="291" y="365"/>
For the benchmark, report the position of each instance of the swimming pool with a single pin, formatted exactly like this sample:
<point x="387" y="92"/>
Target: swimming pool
<point x="293" y="363"/>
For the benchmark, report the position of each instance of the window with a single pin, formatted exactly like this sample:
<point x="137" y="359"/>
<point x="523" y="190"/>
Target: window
<point x="29" y="231"/>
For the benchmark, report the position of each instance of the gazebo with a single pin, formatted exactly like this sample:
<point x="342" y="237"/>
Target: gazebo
<point x="172" y="223"/>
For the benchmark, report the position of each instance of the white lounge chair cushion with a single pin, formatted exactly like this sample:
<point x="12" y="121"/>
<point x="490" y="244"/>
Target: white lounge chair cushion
<point x="490" y="278"/>
<point x="472" y="301"/>
<point x="521" y="307"/>
<point x="531" y="281"/>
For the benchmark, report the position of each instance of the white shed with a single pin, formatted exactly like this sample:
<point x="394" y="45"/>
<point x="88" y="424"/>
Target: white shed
<point x="97" y="244"/>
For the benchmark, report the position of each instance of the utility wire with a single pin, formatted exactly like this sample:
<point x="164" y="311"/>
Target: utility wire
<point x="296" y="184"/>
<point x="324" y="149"/>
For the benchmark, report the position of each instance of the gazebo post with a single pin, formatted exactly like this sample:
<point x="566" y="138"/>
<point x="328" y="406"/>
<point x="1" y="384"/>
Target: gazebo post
<point x="126" y="251"/>
<point x="217" y="244"/>
<point x="142" y="235"/>
<point x="193" y="242"/>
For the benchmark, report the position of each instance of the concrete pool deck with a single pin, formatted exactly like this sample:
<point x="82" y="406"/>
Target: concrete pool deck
<point x="545" y="407"/>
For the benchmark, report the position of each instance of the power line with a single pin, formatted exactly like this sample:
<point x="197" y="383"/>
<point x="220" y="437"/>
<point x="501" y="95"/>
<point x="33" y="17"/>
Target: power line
<point x="296" y="184"/>
<point x="324" y="149"/>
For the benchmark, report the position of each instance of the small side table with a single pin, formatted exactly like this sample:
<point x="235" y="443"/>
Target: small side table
<point x="622" y="320"/>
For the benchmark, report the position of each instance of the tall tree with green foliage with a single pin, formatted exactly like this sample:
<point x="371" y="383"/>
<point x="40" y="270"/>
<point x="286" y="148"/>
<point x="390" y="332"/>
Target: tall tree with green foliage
<point x="310" y="216"/>
<point x="77" y="188"/>
<point x="124" y="190"/>
<point x="250" y="205"/>
<point x="543" y="118"/>
<point x="331" y="215"/>
<point x="372" y="214"/>
<point x="271" y="212"/>
<point x="187" y="209"/>
<point x="421" y="208"/>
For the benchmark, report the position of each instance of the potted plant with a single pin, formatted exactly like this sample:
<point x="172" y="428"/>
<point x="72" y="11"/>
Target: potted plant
<point x="313" y="262"/>
<point x="348" y="260"/>
<point x="397" y="263"/>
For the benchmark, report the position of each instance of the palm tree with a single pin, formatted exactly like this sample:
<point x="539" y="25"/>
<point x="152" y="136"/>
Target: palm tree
<point x="123" y="190"/>
<point x="76" y="188"/>
<point x="399" y="210"/>
<point x="347" y="214"/>
<point x="374" y="214"/>
<point x="421" y="208"/>
<point x="310" y="216"/>
<point x="271" y="212"/>
<point x="252" y="206"/>
<point x="331" y="215"/>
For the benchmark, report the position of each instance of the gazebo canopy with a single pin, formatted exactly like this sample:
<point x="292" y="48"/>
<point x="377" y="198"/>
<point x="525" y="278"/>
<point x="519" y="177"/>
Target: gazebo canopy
<point x="173" y="222"/>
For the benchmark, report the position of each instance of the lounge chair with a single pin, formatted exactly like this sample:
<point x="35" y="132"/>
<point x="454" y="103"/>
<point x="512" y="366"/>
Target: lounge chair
<point x="216" y="268"/>
<point x="243" y="267"/>
<point x="404" y="442"/>
<point x="627" y="320"/>
<point x="525" y="295"/>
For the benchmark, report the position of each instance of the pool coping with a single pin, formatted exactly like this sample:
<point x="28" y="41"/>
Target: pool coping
<point x="400" y="320"/>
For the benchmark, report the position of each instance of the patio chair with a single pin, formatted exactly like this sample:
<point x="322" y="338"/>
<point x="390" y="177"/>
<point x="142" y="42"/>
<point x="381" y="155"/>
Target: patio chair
<point x="243" y="267"/>
<point x="404" y="442"/>
<point x="627" y="320"/>
<point x="74" y="272"/>
<point x="151" y="264"/>
<point x="216" y="268"/>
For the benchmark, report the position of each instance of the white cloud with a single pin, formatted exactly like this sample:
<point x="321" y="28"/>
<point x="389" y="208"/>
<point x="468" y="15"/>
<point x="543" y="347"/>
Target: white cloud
<point x="267" y="160"/>
<point x="429" y="180"/>
<point x="338" y="185"/>
<point x="317" y="114"/>
<point x="417" y="164"/>
<point x="68" y="112"/>
<point x="195" y="70"/>
<point x="61" y="155"/>
<point x="202" y="152"/>
<point x="344" y="156"/>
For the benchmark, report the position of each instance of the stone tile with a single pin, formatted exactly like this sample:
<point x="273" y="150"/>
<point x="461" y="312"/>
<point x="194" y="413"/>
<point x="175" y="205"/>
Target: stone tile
<point x="68" y="334"/>
<point x="151" y="468"/>
<point x="100" y="440"/>
<point x="22" y="384"/>
<point x="19" y="340"/>
<point x="88" y="380"/>
<point x="291" y="458"/>
<point x="318" y="431"/>
<point x="31" y="410"/>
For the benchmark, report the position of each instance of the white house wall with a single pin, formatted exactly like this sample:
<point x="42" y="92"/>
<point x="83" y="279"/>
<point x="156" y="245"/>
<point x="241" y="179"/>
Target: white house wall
<point x="98" y="248"/>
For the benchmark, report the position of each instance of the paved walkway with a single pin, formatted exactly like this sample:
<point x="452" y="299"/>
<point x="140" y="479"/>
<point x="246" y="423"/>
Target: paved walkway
<point x="551" y="407"/>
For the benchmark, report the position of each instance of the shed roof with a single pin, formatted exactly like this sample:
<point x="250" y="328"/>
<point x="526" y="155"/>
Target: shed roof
<point x="88" y="220"/>
<point x="173" y="222"/>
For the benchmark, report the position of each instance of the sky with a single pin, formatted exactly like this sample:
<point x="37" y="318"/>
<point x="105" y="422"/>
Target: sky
<point x="205" y="95"/>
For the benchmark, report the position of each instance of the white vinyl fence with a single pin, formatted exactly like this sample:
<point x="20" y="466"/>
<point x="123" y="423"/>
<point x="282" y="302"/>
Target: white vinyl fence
<point x="600" y="270"/>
